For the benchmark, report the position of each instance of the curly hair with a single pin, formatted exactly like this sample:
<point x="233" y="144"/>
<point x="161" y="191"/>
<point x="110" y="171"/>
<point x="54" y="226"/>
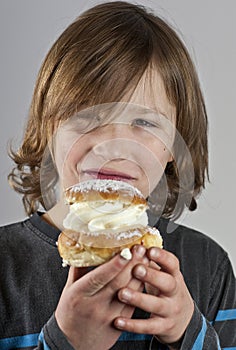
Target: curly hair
<point x="100" y="58"/>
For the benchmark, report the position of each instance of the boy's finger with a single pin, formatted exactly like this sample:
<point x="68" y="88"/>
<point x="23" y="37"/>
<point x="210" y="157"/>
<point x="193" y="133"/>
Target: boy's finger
<point x="75" y="273"/>
<point x="166" y="260"/>
<point x="102" y="275"/>
<point x="125" y="278"/>
<point x="160" y="281"/>
<point x="93" y="282"/>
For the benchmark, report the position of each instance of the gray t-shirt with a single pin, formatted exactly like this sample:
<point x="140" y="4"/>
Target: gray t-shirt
<point x="32" y="279"/>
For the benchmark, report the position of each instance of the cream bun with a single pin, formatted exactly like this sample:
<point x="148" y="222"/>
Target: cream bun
<point x="106" y="217"/>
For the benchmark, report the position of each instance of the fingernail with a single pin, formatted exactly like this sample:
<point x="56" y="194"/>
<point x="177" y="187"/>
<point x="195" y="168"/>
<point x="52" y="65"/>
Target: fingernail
<point x="120" y="323"/>
<point x="140" y="250"/>
<point x="125" y="295"/>
<point x="140" y="271"/>
<point x="154" y="253"/>
<point x="123" y="259"/>
<point x="145" y="261"/>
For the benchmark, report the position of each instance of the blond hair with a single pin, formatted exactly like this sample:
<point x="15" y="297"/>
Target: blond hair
<point x="100" y="58"/>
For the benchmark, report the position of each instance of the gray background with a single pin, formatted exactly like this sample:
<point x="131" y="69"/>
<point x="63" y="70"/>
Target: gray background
<point x="27" y="30"/>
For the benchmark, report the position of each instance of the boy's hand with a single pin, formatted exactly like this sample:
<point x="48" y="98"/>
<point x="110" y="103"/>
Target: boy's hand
<point x="169" y="301"/>
<point x="89" y="305"/>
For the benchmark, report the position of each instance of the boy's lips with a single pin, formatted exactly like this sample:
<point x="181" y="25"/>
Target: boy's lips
<point x="109" y="174"/>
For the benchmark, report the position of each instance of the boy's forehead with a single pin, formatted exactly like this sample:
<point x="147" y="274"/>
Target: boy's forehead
<point x="150" y="92"/>
<point x="148" y="98"/>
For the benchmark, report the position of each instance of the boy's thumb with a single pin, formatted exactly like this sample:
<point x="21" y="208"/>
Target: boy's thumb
<point x="74" y="274"/>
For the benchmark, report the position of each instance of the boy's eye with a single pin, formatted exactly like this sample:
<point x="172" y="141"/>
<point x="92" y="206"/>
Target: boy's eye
<point x="143" y="122"/>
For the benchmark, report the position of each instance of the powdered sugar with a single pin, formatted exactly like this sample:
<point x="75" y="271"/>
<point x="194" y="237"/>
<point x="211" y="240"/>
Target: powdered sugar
<point x="153" y="231"/>
<point x="122" y="235"/>
<point x="128" y="234"/>
<point x="104" y="185"/>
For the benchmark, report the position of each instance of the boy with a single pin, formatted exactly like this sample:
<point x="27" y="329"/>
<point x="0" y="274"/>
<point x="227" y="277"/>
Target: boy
<point x="115" y="53"/>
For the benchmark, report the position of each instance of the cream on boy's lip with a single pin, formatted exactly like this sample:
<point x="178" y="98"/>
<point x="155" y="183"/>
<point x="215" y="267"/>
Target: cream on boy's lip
<point x="108" y="174"/>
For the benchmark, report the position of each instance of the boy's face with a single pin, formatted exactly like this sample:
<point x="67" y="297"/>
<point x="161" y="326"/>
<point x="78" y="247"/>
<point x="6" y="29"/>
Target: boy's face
<point x="130" y="141"/>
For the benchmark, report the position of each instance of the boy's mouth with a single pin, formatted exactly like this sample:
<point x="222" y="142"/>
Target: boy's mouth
<point x="109" y="174"/>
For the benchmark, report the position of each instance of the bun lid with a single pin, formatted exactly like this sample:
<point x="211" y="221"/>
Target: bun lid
<point x="104" y="189"/>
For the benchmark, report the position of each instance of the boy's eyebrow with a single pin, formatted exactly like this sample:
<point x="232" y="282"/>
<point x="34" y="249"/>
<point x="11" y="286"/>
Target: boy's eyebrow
<point x="152" y="111"/>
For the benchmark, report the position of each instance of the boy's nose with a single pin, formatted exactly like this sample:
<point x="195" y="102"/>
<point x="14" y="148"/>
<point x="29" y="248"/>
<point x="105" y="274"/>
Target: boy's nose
<point x="118" y="130"/>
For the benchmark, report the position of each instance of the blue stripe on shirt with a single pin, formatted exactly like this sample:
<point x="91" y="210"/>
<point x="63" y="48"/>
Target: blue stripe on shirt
<point x="42" y="340"/>
<point x="125" y="336"/>
<point x="19" y="342"/>
<point x="226" y="315"/>
<point x="198" y="345"/>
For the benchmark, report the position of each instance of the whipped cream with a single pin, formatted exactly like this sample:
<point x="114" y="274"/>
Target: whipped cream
<point x="126" y="254"/>
<point x="102" y="216"/>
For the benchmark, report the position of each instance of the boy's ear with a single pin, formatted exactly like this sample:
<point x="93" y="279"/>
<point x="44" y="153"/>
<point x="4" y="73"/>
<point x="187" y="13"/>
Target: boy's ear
<point x="171" y="157"/>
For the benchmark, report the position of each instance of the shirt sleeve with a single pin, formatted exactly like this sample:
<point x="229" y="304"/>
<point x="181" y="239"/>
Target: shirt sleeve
<point x="217" y="329"/>
<point x="52" y="338"/>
